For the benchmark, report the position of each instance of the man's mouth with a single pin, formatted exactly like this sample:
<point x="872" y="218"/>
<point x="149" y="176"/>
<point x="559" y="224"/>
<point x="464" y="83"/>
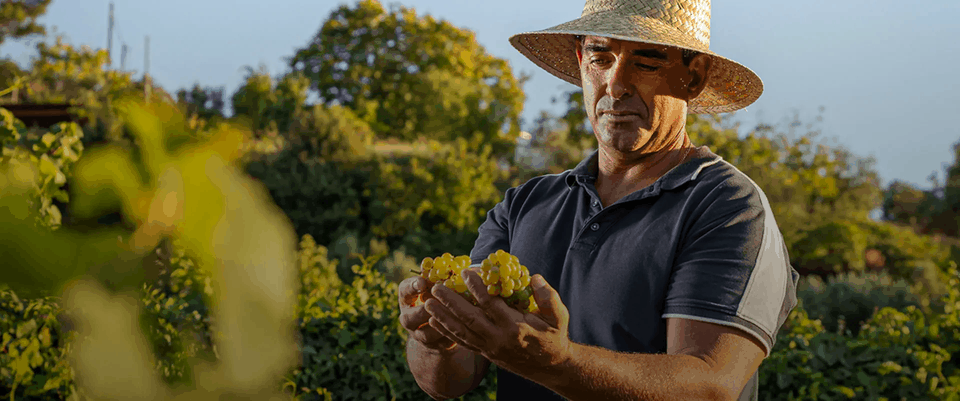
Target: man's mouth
<point x="619" y="114"/>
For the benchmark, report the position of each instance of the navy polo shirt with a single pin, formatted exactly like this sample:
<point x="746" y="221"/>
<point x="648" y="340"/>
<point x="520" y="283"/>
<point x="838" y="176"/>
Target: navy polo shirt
<point x="700" y="243"/>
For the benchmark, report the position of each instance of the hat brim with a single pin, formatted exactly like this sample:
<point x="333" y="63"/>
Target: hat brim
<point x="730" y="87"/>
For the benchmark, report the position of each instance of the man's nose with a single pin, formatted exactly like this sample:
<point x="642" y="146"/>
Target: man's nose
<point x="618" y="80"/>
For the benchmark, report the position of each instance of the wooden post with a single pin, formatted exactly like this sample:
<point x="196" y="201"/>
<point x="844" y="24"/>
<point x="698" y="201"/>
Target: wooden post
<point x="146" y="68"/>
<point x="123" y="57"/>
<point x="110" y="35"/>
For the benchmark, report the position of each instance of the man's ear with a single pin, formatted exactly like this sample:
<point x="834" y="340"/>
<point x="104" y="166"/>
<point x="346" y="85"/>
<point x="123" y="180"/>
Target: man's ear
<point x="699" y="71"/>
<point x="576" y="44"/>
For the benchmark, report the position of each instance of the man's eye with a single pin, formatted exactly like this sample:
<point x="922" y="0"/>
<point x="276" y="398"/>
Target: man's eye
<point x="647" y="67"/>
<point x="598" y="61"/>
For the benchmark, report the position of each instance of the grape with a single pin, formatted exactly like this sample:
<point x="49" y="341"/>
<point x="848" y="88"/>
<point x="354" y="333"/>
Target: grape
<point x="493" y="289"/>
<point x="494" y="276"/>
<point x="501" y="273"/>
<point x="507" y="287"/>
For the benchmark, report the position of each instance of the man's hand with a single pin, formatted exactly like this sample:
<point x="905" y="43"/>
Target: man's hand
<point x="414" y="318"/>
<point x="524" y="343"/>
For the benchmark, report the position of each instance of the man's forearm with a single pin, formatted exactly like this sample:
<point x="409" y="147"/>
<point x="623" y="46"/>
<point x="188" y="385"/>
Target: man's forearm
<point x="594" y="373"/>
<point x="443" y="374"/>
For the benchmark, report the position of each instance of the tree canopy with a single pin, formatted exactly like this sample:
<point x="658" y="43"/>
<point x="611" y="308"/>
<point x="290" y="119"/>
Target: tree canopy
<point x="18" y="18"/>
<point x="410" y="75"/>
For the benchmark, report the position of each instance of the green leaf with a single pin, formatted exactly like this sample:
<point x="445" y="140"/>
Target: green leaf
<point x="847" y="391"/>
<point x="784" y="379"/>
<point x="48" y="139"/>
<point x="28" y="327"/>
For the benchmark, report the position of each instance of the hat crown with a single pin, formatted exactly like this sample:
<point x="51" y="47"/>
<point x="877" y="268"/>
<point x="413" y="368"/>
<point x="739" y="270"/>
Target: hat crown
<point x="691" y="17"/>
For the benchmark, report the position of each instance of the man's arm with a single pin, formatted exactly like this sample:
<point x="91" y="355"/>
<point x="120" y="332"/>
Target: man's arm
<point x="441" y="368"/>
<point x="451" y="373"/>
<point x="704" y="361"/>
<point x="445" y="374"/>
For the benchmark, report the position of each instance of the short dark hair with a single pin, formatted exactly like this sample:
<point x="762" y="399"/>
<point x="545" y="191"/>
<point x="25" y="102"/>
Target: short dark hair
<point x="688" y="54"/>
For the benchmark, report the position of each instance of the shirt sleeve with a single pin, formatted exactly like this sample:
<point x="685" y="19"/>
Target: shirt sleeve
<point x="495" y="230"/>
<point x="732" y="267"/>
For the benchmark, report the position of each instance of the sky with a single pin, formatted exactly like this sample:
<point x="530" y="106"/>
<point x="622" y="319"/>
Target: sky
<point x="885" y="72"/>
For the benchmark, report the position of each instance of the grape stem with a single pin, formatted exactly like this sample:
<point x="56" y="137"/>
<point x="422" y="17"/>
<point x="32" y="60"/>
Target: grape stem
<point x="415" y="271"/>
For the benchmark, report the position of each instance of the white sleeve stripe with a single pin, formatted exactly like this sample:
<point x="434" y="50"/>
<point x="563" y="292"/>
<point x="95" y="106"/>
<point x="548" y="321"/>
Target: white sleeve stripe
<point x="722" y="323"/>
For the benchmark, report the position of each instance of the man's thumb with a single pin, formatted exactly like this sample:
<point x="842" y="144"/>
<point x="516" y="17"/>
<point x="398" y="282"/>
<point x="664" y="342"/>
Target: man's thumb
<point x="548" y="300"/>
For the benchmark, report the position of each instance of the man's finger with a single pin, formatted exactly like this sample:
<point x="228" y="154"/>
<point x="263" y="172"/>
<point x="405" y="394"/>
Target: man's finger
<point x="440" y="329"/>
<point x="430" y="337"/>
<point x="414" y="317"/>
<point x="492" y="306"/>
<point x="410" y="289"/>
<point x="476" y="287"/>
<point x="552" y="310"/>
<point x="453" y="323"/>
<point x="473" y="317"/>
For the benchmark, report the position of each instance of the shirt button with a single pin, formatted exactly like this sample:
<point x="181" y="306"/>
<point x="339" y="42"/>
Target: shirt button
<point x="595" y="203"/>
<point x="595" y="226"/>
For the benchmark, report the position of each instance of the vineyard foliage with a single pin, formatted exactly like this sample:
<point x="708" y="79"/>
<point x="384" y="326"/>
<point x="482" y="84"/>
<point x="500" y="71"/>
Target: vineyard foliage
<point x="258" y="254"/>
<point x="349" y="328"/>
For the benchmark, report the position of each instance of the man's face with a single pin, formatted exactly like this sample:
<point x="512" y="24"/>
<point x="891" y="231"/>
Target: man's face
<point x="636" y="94"/>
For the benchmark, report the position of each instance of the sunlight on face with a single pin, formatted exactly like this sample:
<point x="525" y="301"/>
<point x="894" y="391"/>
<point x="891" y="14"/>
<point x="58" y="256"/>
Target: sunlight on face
<point x="636" y="94"/>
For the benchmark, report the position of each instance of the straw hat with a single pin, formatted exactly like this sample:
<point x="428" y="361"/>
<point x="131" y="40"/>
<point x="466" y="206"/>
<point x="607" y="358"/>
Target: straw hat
<point x="679" y="23"/>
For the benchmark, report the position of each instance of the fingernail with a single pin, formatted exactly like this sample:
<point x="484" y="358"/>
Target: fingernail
<point x="416" y="285"/>
<point x="539" y="281"/>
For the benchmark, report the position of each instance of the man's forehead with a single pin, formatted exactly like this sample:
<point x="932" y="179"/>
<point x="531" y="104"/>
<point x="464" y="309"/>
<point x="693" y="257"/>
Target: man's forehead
<point x="600" y="40"/>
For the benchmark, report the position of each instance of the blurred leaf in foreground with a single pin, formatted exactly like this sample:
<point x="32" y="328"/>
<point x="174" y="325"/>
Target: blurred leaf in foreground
<point x="191" y="189"/>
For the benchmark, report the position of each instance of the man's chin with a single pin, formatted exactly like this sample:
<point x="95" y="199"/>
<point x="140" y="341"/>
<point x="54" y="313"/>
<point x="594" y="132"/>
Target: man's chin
<point x="622" y="133"/>
<point x="621" y="143"/>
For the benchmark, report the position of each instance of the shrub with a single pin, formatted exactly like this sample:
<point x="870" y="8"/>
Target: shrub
<point x="323" y="199"/>
<point x="424" y="202"/>
<point x="896" y="355"/>
<point x="831" y="248"/>
<point x="348" y="329"/>
<point x="33" y="349"/>
<point x="846" y="301"/>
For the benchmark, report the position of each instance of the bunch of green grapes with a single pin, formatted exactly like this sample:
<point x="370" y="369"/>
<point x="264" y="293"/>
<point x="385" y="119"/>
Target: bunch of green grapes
<point x="501" y="272"/>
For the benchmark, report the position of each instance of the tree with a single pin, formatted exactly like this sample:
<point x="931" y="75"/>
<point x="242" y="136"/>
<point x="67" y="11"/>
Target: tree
<point x="932" y="211"/>
<point x="808" y="182"/>
<point x="270" y="104"/>
<point x="905" y="204"/>
<point x="946" y="213"/>
<point x="10" y="72"/>
<point x="18" y="18"/>
<point x="63" y="73"/>
<point x="203" y="102"/>
<point x="411" y="76"/>
<point x="575" y="117"/>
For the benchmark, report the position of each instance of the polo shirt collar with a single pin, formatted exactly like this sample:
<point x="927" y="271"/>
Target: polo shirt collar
<point x="587" y="170"/>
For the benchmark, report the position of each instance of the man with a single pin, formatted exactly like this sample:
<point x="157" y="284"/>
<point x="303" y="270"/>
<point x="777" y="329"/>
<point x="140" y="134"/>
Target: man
<point x="658" y="267"/>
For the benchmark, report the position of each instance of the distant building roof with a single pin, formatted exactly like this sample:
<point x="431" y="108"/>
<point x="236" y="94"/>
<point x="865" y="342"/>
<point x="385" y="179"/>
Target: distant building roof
<point x="41" y="114"/>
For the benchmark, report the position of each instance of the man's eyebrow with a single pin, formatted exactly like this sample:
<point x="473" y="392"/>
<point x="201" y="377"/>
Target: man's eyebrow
<point x="596" y="48"/>
<point x="650" y="53"/>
